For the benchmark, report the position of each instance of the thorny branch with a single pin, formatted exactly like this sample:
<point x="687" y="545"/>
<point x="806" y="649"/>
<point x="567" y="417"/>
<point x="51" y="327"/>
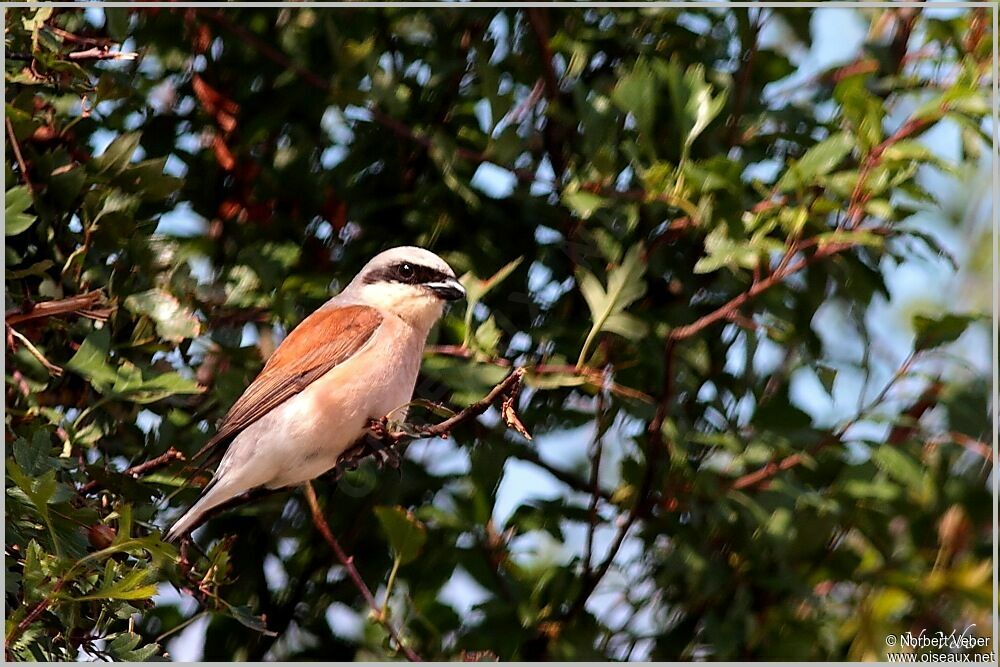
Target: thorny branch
<point x="352" y="572"/>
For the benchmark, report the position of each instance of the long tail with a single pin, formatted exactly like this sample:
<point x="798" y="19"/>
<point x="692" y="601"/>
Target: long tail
<point x="214" y="495"/>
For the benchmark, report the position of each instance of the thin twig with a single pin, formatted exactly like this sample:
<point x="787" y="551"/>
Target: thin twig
<point x="78" y="39"/>
<point x="49" y="366"/>
<point x="734" y="304"/>
<point x="897" y="435"/>
<point x="94" y="53"/>
<point x="137" y="471"/>
<point x="743" y="78"/>
<point x="101" y="53"/>
<point x="596" y="454"/>
<point x="352" y="572"/>
<point x="33" y="615"/>
<point x="538" y="20"/>
<point x="654" y="450"/>
<point x="16" y="147"/>
<point x="569" y="479"/>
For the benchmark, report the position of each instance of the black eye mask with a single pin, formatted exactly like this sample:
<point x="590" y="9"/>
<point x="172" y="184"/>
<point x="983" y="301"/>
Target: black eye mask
<point x="407" y="273"/>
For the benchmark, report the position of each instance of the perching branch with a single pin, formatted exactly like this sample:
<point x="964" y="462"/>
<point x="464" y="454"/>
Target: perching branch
<point x="387" y="441"/>
<point x="593" y="376"/>
<point x="352" y="572"/>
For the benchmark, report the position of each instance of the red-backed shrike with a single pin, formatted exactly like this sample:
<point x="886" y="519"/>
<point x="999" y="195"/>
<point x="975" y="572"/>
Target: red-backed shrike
<point x="353" y="360"/>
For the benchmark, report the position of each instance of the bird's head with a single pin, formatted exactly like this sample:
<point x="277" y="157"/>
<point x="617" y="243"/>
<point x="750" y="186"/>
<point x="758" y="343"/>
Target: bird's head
<point x="409" y="282"/>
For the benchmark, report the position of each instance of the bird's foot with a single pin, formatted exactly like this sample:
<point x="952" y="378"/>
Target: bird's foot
<point x="387" y="455"/>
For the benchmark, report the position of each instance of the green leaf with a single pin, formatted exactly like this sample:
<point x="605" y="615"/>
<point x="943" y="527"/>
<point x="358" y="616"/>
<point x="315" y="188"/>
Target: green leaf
<point x="476" y="290"/>
<point x="721" y="251"/>
<point x="904" y="469"/>
<point x="117" y="19"/>
<point x="468" y="379"/>
<point x="245" y="616"/>
<point x="117" y="155"/>
<point x="583" y="203"/>
<point x="18" y="200"/>
<point x="936" y="331"/>
<point x="33" y="457"/>
<point x="625" y="286"/>
<point x="626" y="325"/>
<point x="691" y="97"/>
<point x="126" y="647"/>
<point x="818" y="161"/>
<point x="173" y="321"/>
<point x="91" y="360"/>
<point x="39" y="490"/>
<point x="37" y="19"/>
<point x="857" y="237"/>
<point x="406" y="533"/>
<point x="487" y="337"/>
<point x="132" y="383"/>
<point x="636" y="93"/>
<point x="133" y="585"/>
<point x="126" y="380"/>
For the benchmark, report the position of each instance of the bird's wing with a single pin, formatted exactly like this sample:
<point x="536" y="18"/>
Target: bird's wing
<point x="325" y="339"/>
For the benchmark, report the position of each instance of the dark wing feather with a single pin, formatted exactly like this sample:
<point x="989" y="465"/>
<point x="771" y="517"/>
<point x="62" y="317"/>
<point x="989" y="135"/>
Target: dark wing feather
<point x="322" y="341"/>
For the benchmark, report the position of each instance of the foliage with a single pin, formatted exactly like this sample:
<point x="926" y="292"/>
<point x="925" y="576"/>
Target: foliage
<point x="657" y="214"/>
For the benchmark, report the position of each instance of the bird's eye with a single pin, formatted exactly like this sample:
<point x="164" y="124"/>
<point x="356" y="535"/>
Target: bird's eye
<point x="405" y="271"/>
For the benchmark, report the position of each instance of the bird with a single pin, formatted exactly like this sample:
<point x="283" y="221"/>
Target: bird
<point x="353" y="360"/>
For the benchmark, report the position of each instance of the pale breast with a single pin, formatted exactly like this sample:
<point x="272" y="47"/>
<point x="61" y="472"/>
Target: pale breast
<point x="319" y="424"/>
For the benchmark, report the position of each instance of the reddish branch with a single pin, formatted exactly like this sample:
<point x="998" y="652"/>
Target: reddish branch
<point x="899" y="433"/>
<point x="787" y="267"/>
<point x="539" y="21"/>
<point x="352" y="572"/>
<point x="860" y="197"/>
<point x="655" y="448"/>
<point x="506" y="389"/>
<point x="101" y="53"/>
<point x="94" y="53"/>
<point x="32" y="616"/>
<point x="80" y="304"/>
<point x="137" y="471"/>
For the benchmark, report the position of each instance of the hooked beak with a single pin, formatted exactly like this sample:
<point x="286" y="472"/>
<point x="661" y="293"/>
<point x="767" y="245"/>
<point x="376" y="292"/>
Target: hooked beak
<point x="449" y="290"/>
